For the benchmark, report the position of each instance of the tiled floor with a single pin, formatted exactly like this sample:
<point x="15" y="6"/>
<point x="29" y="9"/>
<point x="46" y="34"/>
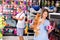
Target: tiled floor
<point x="16" y="38"/>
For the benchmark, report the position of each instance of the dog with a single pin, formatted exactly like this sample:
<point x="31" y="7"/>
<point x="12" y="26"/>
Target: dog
<point x="36" y="23"/>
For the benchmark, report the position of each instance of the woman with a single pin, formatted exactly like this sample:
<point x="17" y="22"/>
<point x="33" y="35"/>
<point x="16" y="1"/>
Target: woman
<point x="43" y="31"/>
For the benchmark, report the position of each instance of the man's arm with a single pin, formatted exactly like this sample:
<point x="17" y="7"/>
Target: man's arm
<point x="18" y="18"/>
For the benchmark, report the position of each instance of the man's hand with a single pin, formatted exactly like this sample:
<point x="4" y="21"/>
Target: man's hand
<point x="18" y="18"/>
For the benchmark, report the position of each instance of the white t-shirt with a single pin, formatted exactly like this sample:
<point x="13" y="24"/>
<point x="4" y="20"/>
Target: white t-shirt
<point x="20" y="23"/>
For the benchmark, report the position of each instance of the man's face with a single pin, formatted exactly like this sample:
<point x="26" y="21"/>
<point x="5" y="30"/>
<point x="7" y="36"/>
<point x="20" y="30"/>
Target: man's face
<point x="19" y="10"/>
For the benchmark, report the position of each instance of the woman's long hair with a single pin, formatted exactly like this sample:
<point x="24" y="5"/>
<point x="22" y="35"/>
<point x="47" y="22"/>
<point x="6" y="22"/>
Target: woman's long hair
<point x="45" y="10"/>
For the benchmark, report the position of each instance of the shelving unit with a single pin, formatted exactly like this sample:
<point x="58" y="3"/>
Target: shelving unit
<point x="55" y="17"/>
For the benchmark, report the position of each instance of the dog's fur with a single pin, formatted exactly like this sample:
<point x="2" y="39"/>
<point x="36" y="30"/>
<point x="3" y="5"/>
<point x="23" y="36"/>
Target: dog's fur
<point x="36" y="24"/>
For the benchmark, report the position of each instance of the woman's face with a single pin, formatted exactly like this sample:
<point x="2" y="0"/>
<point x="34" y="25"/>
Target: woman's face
<point x="45" y="14"/>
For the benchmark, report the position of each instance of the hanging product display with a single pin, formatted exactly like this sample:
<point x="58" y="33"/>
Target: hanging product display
<point x="51" y="8"/>
<point x="52" y="3"/>
<point x="30" y="2"/>
<point x="15" y="31"/>
<point x="58" y="26"/>
<point x="1" y="8"/>
<point x="1" y="21"/>
<point x="0" y="2"/>
<point x="8" y="2"/>
<point x="2" y="25"/>
<point x="18" y="2"/>
<point x="24" y="8"/>
<point x="24" y="2"/>
<point x="39" y="2"/>
<point x="43" y="4"/>
<point x="26" y="29"/>
<point x="10" y="31"/>
<point x="36" y="7"/>
<point x="14" y="12"/>
<point x="46" y="3"/>
<point x="59" y="3"/>
<point x="49" y="3"/>
<point x="1" y="35"/>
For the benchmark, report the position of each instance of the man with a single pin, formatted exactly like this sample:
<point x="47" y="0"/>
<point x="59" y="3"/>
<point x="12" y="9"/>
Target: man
<point x="21" y="22"/>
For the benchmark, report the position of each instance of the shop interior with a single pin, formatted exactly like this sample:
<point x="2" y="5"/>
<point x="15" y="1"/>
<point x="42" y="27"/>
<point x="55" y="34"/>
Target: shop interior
<point x="30" y="7"/>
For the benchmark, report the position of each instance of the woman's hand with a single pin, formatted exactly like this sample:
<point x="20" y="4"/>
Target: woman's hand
<point x="49" y="28"/>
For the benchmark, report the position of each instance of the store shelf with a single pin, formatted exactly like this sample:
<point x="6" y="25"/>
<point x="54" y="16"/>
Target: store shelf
<point x="9" y="34"/>
<point x="10" y="27"/>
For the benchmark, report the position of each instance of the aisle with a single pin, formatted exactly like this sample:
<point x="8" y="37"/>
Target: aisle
<point x="16" y="38"/>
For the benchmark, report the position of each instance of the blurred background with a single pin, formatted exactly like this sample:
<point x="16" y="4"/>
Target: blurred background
<point x="8" y="8"/>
